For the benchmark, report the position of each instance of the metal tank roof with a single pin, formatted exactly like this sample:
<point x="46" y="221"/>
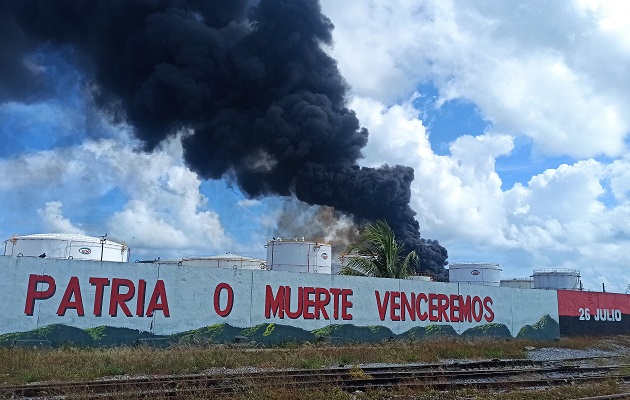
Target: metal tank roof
<point x="227" y="256"/>
<point x="66" y="246"/>
<point x="61" y="236"/>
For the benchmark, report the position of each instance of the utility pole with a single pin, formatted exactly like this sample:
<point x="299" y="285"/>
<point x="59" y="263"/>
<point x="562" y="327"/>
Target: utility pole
<point x="103" y="240"/>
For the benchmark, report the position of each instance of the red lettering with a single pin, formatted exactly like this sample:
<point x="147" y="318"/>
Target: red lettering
<point x="142" y="287"/>
<point x="422" y="315"/>
<point x="299" y="301"/>
<point x="336" y="293"/>
<point x="432" y="307"/>
<point x="408" y="306"/>
<point x="158" y="300"/>
<point x="477" y="308"/>
<point x="454" y="307"/>
<point x="321" y="303"/>
<point x="217" y="299"/>
<point x="394" y="305"/>
<point x="442" y="307"/>
<point x="309" y="302"/>
<point x="274" y="304"/>
<point x="487" y="302"/>
<point x="33" y="294"/>
<point x="465" y="309"/>
<point x="118" y="299"/>
<point x="73" y="290"/>
<point x="382" y="306"/>
<point x="346" y="304"/>
<point x="100" y="284"/>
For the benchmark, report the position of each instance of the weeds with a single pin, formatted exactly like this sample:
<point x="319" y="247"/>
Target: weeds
<point x="22" y="365"/>
<point x="357" y="372"/>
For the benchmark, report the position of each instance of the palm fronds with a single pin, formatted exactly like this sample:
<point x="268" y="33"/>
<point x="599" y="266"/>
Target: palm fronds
<point x="378" y="254"/>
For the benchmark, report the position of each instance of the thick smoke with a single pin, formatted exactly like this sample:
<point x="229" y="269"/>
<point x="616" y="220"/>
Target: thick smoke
<point x="298" y="219"/>
<point x="265" y="102"/>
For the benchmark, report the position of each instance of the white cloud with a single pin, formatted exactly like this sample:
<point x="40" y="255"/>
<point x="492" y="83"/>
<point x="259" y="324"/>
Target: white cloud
<point x="456" y="195"/>
<point x="54" y="221"/>
<point x="550" y="71"/>
<point x="611" y="16"/>
<point x="164" y="207"/>
<point x="620" y="179"/>
<point x="249" y="203"/>
<point x="392" y="131"/>
<point x="558" y="219"/>
<point x="567" y="193"/>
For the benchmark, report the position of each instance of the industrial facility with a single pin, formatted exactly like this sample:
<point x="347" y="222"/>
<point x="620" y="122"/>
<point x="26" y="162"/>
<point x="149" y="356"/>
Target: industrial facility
<point x="475" y="273"/>
<point x="283" y="254"/>
<point x="66" y="246"/>
<point x="489" y="274"/>
<point x="557" y="279"/>
<point x="289" y="255"/>
<point x="297" y="286"/>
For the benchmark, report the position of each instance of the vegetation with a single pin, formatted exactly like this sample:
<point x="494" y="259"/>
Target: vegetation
<point x="23" y="365"/>
<point x="378" y="254"/>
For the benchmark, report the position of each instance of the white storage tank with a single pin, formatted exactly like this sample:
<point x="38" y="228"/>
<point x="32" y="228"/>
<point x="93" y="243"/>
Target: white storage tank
<point x="420" y="278"/>
<point x="229" y="260"/>
<point x="518" y="283"/>
<point x="66" y="246"/>
<point x="299" y="255"/>
<point x="475" y="273"/>
<point x="557" y="279"/>
<point x="336" y="267"/>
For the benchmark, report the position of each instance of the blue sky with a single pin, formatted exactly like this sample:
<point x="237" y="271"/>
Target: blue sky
<point x="518" y="139"/>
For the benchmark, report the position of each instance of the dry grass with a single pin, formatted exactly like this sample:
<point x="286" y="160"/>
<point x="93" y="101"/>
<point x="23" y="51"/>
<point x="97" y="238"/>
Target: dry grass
<point x="21" y="365"/>
<point x="335" y="393"/>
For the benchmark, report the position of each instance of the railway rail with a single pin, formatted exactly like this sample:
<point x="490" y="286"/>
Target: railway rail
<point x="486" y="375"/>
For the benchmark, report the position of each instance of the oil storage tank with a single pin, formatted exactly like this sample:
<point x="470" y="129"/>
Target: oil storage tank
<point x="228" y="260"/>
<point x="420" y="278"/>
<point x="299" y="255"/>
<point x="475" y="273"/>
<point x="518" y="283"/>
<point x="66" y="246"/>
<point x="557" y="279"/>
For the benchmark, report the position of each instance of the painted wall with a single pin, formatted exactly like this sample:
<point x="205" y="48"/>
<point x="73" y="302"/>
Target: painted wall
<point x="593" y="313"/>
<point x="183" y="302"/>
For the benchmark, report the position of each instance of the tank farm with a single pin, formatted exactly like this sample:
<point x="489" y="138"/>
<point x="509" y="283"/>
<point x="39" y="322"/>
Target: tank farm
<point x="64" y="289"/>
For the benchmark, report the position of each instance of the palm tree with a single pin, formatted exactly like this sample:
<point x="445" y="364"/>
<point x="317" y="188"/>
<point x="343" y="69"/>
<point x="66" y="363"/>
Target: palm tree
<point x="378" y="254"/>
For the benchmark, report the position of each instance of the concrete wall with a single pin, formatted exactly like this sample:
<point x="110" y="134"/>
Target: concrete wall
<point x="169" y="300"/>
<point x="593" y="313"/>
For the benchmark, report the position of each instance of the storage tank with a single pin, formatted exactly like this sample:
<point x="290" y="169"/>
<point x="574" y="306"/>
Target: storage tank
<point x="66" y="246"/>
<point x="336" y="267"/>
<point x="228" y="260"/>
<point x="557" y="279"/>
<point x="420" y="277"/>
<point x="518" y="283"/>
<point x="475" y="273"/>
<point x="299" y="255"/>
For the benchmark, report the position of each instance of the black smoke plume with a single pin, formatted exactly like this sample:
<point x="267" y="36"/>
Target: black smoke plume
<point x="265" y="104"/>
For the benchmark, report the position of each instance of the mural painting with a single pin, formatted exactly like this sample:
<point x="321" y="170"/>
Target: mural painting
<point x="92" y="303"/>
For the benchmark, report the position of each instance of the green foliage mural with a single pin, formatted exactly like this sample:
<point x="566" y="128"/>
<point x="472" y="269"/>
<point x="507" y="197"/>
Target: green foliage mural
<point x="491" y="330"/>
<point x="264" y="334"/>
<point x="219" y="333"/>
<point x="352" y="333"/>
<point x="545" y="328"/>
<point x="275" y="334"/>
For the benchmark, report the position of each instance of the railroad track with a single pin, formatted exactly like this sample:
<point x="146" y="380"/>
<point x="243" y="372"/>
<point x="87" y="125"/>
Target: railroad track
<point x="494" y="374"/>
